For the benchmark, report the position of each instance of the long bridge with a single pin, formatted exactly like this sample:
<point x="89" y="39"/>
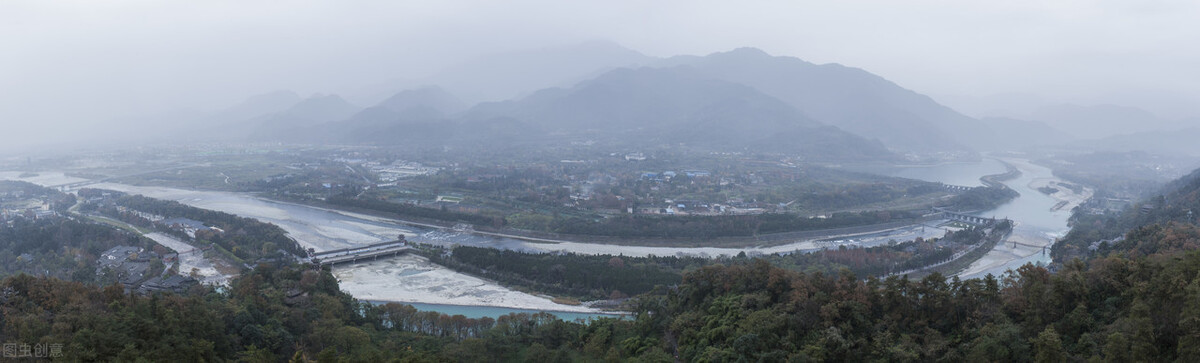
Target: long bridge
<point x="965" y="218"/>
<point x="360" y="253"/>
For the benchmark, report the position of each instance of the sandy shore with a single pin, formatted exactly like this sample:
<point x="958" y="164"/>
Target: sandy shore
<point x="1021" y="245"/>
<point x="1028" y="243"/>
<point x="41" y="178"/>
<point x="410" y="278"/>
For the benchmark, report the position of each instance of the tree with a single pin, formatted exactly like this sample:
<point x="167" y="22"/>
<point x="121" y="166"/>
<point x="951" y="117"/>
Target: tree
<point x="1117" y="348"/>
<point x="1048" y="347"/>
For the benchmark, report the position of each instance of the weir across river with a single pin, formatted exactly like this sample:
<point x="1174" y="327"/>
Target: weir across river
<point x="965" y="218"/>
<point x="361" y="254"/>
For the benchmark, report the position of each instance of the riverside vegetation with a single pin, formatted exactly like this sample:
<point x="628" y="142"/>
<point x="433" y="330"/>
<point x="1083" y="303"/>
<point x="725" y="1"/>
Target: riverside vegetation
<point x="598" y="277"/>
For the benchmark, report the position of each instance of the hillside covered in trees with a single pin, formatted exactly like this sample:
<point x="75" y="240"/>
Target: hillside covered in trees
<point x="589" y="277"/>
<point x="44" y="241"/>
<point x="59" y="247"/>
<point x="1122" y="307"/>
<point x="1177" y="203"/>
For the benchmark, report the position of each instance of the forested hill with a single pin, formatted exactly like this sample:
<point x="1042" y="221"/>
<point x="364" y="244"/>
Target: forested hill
<point x="1135" y="297"/>
<point x="1175" y="207"/>
<point x="1113" y="309"/>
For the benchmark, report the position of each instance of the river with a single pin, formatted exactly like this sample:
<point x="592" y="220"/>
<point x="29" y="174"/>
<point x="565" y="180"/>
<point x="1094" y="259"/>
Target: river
<point x="1037" y="221"/>
<point x="412" y="279"/>
<point x="960" y="173"/>
<point x="415" y="281"/>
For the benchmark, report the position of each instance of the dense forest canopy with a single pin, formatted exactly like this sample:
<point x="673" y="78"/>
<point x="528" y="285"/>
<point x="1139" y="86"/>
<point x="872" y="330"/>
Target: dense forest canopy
<point x="60" y="247"/>
<point x="1123" y="307"/>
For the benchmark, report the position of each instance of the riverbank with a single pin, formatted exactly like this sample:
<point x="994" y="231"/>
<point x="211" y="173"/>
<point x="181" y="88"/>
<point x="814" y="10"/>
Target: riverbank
<point x="1021" y="245"/>
<point x="755" y="241"/>
<point x="1040" y="219"/>
<point x="413" y="279"/>
<point x="997" y="180"/>
<point x="963" y="259"/>
<point x="441" y="235"/>
<point x="326" y="229"/>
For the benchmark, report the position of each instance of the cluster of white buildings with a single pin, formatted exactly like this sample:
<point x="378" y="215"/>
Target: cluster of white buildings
<point x="400" y="169"/>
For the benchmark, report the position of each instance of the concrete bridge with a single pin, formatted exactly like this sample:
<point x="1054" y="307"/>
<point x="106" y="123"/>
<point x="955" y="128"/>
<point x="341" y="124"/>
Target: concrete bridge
<point x="966" y="218"/>
<point x="360" y="254"/>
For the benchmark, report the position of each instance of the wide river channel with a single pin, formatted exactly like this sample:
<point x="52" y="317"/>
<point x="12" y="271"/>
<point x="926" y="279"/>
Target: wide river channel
<point x="431" y="287"/>
<point x="1038" y="222"/>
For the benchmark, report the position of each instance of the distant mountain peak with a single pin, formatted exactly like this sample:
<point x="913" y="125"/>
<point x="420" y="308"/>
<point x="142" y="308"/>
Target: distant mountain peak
<point x="745" y="52"/>
<point x="506" y="75"/>
<point x="321" y="103"/>
<point x="425" y="97"/>
<point x="850" y="98"/>
<point x="277" y="95"/>
<point x="256" y="106"/>
<point x="676" y="105"/>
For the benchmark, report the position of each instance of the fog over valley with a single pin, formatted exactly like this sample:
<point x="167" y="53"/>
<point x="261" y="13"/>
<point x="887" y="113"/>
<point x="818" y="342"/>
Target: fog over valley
<point x="536" y="181"/>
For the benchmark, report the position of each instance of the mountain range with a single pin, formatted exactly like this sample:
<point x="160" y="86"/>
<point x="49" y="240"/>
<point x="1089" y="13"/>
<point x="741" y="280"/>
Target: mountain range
<point x="744" y="99"/>
<point x="849" y="98"/>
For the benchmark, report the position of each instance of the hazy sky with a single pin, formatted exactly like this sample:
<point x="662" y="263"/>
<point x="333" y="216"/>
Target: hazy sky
<point x="66" y="63"/>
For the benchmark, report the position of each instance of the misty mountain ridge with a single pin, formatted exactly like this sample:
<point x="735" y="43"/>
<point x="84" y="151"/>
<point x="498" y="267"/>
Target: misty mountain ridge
<point x="675" y="96"/>
<point x="850" y="98"/>
<point x="1100" y="121"/>
<point x="644" y="106"/>
<point x="1082" y="120"/>
<point x="732" y="99"/>
<point x="425" y="104"/>
<point x="258" y="105"/>
<point x="515" y="74"/>
<point x="1024" y="134"/>
<point x="312" y="111"/>
<point x="1169" y="142"/>
<point x="678" y="105"/>
<point x="226" y="124"/>
<point x="433" y="98"/>
<point x="643" y="98"/>
<point x="321" y="108"/>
